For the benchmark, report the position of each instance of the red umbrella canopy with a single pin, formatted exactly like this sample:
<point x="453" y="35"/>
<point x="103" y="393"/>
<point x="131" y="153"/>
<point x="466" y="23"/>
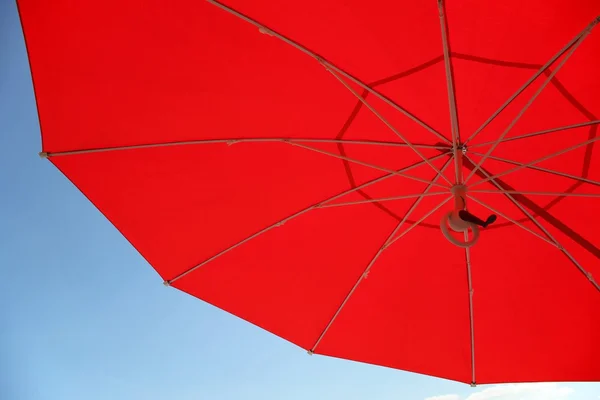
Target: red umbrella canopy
<point x="292" y="163"/>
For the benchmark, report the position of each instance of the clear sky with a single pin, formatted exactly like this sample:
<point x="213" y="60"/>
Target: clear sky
<point x="84" y="317"/>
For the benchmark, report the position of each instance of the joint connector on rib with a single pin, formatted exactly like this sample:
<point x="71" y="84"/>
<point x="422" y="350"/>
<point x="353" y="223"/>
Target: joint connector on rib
<point x="265" y="31"/>
<point x="43" y="154"/>
<point x="167" y="283"/>
<point x="324" y="63"/>
<point x="590" y="277"/>
<point x="441" y="7"/>
<point x="592" y="25"/>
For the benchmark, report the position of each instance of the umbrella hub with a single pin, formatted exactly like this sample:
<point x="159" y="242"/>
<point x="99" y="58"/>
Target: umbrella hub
<point x="455" y="222"/>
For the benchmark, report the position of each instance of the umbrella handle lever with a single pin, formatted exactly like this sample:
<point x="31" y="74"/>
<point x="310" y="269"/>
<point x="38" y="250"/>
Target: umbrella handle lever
<point x="452" y="220"/>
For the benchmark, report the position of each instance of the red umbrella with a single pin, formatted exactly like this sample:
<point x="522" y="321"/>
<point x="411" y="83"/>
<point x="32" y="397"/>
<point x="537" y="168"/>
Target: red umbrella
<point x="291" y="163"/>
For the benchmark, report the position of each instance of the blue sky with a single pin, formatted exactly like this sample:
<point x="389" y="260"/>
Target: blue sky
<point x="84" y="317"/>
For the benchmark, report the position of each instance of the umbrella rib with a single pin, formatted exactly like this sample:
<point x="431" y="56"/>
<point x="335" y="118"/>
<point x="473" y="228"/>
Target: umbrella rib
<point x="500" y="213"/>
<point x="549" y="171"/>
<point x="385" y="121"/>
<point x="383" y="199"/>
<point x="423" y="218"/>
<point x="557" y="194"/>
<point x="384" y="246"/>
<point x="450" y="87"/>
<point x="355" y="161"/>
<point x="539" y="160"/>
<point x="231" y="141"/>
<point x="530" y="102"/>
<point x="587" y="274"/>
<point x="544" y="67"/>
<point x="471" y="318"/>
<point x="362" y="276"/>
<point x="297" y="214"/>
<point x="538" y="133"/>
<point x="329" y="65"/>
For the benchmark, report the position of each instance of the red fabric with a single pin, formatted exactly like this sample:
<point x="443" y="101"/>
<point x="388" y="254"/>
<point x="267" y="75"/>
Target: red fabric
<point x="111" y="73"/>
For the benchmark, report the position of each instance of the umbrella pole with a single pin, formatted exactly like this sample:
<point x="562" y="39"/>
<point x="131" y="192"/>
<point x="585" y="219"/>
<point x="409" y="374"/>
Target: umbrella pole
<point x="459" y="152"/>
<point x="460" y="201"/>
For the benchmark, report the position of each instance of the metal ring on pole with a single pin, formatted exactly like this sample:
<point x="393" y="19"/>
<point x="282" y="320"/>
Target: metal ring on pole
<point x="444" y="226"/>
